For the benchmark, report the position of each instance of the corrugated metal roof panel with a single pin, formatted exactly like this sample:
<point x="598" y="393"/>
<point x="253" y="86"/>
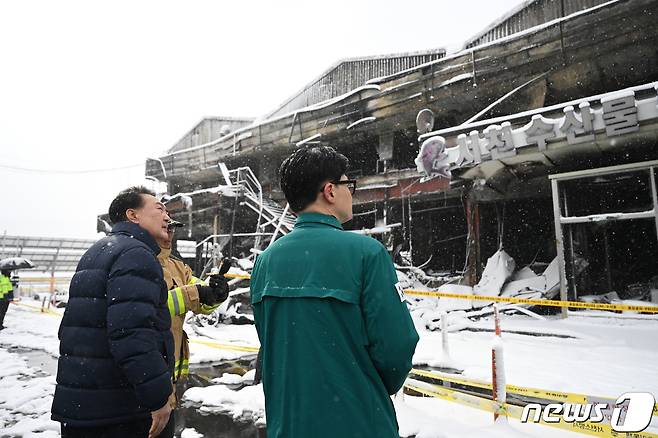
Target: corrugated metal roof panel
<point x="529" y="14"/>
<point x="350" y="74"/>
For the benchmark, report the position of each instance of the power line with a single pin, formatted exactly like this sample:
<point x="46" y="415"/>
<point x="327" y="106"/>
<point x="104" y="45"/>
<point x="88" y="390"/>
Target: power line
<point x="55" y="171"/>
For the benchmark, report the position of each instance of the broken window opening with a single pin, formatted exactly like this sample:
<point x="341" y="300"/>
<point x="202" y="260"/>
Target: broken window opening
<point x="522" y="226"/>
<point x="438" y="234"/>
<point x="607" y="232"/>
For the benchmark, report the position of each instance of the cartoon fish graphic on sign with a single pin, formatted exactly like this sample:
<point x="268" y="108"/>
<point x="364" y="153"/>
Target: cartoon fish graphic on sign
<point x="432" y="160"/>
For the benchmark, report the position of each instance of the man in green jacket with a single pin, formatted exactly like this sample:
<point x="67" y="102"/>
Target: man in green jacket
<point x="336" y="335"/>
<point x="6" y="295"/>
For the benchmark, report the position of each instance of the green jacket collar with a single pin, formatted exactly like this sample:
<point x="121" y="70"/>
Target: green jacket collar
<point x="317" y="219"/>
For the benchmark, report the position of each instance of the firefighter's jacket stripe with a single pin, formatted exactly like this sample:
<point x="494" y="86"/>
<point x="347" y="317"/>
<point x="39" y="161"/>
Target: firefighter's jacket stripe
<point x="182" y="367"/>
<point x="176" y="302"/>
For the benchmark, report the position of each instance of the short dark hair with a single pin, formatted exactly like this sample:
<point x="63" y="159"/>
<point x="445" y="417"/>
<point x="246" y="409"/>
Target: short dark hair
<point x="306" y="169"/>
<point x="128" y="198"/>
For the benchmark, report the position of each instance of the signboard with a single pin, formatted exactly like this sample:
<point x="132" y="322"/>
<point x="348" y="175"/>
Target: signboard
<point x="619" y="113"/>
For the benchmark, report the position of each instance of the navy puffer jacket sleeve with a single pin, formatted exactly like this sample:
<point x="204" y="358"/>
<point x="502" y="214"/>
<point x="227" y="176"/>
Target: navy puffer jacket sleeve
<point x="133" y="295"/>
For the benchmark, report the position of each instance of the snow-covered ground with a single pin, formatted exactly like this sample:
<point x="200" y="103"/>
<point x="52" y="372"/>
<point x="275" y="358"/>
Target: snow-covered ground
<point x="25" y="390"/>
<point x="592" y="353"/>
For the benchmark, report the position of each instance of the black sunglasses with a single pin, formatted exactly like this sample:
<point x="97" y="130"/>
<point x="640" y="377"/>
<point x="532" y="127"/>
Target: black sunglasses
<point x="350" y="183"/>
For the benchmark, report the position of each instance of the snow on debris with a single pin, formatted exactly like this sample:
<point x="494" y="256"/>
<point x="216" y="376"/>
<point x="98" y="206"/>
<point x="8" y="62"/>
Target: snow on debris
<point x="499" y="268"/>
<point x="247" y="403"/>
<point x="228" y="379"/>
<point x="190" y="433"/>
<point x="249" y="376"/>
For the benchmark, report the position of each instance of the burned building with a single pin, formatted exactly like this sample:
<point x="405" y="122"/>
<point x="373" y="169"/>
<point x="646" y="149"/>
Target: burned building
<point x="525" y="113"/>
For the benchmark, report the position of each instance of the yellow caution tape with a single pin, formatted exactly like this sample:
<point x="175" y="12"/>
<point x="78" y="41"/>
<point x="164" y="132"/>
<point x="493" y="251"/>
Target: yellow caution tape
<point x="45" y="279"/>
<point x="558" y="396"/>
<point x="450" y="395"/>
<point x="226" y="346"/>
<point x="37" y="309"/>
<point x="244" y="276"/>
<point x="449" y="378"/>
<point x="207" y="343"/>
<point x="415" y="387"/>
<point x="552" y="303"/>
<point x="563" y="397"/>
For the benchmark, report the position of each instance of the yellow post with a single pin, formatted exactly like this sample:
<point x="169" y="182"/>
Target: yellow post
<point x="52" y="287"/>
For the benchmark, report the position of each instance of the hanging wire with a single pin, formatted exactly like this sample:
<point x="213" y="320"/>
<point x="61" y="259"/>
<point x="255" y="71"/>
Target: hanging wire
<point x="71" y="172"/>
<point x="404" y="219"/>
<point x="500" y="219"/>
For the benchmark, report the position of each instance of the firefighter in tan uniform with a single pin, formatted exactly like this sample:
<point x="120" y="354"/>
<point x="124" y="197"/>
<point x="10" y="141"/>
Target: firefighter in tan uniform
<point x="187" y="293"/>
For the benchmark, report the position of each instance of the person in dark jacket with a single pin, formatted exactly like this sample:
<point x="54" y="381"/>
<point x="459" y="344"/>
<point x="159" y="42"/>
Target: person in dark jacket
<point x="336" y="335"/>
<point x="116" y="349"/>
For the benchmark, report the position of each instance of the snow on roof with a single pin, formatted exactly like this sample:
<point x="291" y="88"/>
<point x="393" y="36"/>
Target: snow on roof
<point x="542" y="26"/>
<point x="247" y="129"/>
<point x="511" y="37"/>
<point x="500" y="20"/>
<point x="355" y="59"/>
<point x="361" y="121"/>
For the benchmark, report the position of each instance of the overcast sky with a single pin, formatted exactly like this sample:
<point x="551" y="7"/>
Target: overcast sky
<point x="88" y="85"/>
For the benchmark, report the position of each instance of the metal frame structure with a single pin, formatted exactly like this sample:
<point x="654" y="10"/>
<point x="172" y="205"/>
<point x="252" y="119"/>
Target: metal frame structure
<point x="49" y="254"/>
<point x="270" y="214"/>
<point x="650" y="166"/>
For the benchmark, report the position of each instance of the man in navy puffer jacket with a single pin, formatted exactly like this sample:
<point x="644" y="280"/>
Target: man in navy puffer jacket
<point x="116" y="348"/>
